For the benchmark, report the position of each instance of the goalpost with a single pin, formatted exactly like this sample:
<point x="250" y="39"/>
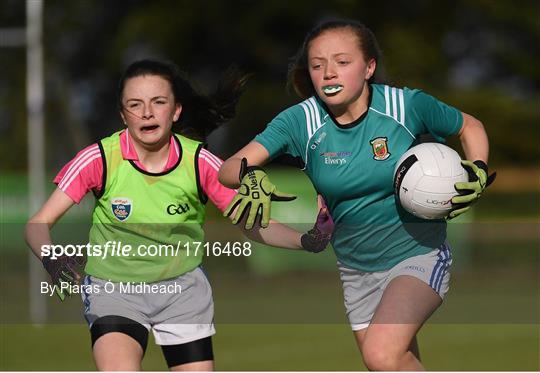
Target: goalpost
<point x="30" y="37"/>
<point x="36" y="145"/>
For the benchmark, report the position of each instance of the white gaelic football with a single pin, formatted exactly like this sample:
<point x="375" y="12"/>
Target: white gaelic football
<point x="424" y="180"/>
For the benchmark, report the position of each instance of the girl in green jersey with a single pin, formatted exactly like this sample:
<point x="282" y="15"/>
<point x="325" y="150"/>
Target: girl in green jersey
<point x="151" y="186"/>
<point x="349" y="133"/>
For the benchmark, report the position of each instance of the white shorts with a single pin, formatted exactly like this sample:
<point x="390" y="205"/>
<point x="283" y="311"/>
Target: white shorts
<point x="363" y="291"/>
<point x="180" y="310"/>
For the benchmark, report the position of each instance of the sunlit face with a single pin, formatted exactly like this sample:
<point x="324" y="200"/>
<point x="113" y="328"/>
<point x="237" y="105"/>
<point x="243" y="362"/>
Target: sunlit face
<point x="338" y="68"/>
<point x="149" y="109"/>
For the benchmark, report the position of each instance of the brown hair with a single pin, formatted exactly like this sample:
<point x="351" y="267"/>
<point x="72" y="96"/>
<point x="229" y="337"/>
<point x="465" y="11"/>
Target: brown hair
<point x="298" y="74"/>
<point x="201" y="114"/>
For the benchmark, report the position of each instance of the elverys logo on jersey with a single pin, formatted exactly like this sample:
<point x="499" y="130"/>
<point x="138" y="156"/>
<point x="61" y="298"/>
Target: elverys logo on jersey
<point x="335" y="158"/>
<point x="121" y="208"/>
<point x="380" y="148"/>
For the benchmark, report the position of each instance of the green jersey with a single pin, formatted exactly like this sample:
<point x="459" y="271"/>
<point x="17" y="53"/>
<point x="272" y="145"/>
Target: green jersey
<point x="158" y="217"/>
<point x="352" y="167"/>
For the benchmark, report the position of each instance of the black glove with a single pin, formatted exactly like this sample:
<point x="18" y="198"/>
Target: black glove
<point x="317" y="238"/>
<point x="64" y="269"/>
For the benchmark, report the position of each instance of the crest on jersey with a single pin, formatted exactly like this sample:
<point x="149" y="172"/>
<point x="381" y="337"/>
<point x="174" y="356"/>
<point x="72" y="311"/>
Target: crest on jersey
<point x="121" y="208"/>
<point x="380" y="148"/>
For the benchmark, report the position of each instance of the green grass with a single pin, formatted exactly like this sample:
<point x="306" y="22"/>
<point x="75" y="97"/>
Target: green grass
<point x="287" y="347"/>
<point x="293" y="319"/>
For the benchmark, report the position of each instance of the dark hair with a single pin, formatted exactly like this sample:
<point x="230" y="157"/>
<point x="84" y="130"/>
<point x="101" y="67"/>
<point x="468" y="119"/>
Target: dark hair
<point x="200" y="114"/>
<point x="298" y="74"/>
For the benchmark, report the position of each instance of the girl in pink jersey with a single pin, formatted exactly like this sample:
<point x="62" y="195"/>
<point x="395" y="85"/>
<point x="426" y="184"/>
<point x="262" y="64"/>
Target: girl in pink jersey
<point x="153" y="95"/>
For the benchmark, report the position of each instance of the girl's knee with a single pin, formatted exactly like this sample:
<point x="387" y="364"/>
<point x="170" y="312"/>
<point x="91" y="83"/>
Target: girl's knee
<point x="380" y="356"/>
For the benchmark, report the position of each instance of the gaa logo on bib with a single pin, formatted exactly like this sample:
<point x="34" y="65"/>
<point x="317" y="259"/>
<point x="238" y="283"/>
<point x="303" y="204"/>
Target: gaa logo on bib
<point x="380" y="148"/>
<point x="121" y="208"/>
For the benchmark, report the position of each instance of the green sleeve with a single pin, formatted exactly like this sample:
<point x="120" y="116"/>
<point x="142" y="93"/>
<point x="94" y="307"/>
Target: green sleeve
<point x="283" y="134"/>
<point x="434" y="116"/>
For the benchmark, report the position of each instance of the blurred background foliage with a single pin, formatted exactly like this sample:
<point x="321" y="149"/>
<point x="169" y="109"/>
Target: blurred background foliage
<point x="480" y="56"/>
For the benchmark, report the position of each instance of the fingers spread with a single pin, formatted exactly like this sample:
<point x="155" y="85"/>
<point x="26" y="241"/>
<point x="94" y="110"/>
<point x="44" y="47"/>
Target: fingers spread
<point x="242" y="208"/>
<point x="265" y="217"/>
<point x="253" y="211"/>
<point x="232" y="206"/>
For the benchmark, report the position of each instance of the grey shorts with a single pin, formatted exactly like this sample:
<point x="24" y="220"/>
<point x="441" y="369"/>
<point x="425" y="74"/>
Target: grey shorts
<point x="177" y="310"/>
<point x="363" y="290"/>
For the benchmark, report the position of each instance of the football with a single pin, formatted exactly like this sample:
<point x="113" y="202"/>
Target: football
<point x="424" y="180"/>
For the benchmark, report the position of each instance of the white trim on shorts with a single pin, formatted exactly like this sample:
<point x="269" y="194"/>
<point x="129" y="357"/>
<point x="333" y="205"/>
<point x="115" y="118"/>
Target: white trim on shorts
<point x="357" y="327"/>
<point x="168" y="334"/>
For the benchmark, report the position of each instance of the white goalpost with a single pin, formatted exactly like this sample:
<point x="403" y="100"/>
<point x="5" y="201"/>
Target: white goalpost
<point x="30" y="37"/>
<point x="36" y="145"/>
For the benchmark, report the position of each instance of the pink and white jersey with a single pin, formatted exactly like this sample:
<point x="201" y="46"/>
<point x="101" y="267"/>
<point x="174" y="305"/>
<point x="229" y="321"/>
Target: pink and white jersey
<point x="84" y="173"/>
